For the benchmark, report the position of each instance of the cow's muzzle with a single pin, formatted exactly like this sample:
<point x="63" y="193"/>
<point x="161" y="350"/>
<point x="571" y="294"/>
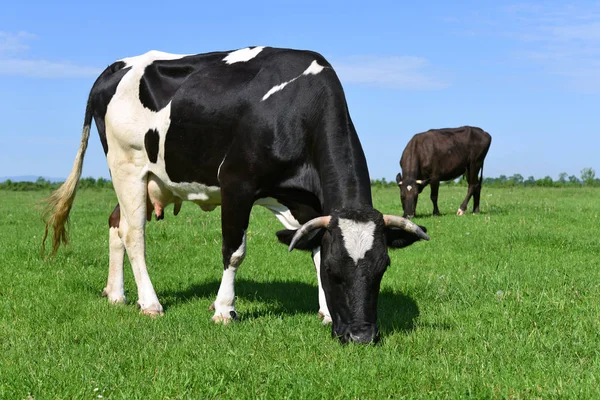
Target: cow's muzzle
<point x="363" y="335"/>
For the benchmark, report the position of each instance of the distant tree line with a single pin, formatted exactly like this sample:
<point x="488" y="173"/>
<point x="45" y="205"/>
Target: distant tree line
<point x="43" y="184"/>
<point x="587" y="178"/>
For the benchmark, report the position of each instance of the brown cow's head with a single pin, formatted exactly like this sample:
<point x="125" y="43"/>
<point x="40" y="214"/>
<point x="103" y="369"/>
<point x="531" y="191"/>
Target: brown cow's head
<point x="409" y="193"/>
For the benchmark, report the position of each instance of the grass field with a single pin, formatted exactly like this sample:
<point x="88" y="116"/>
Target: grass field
<point x="504" y="304"/>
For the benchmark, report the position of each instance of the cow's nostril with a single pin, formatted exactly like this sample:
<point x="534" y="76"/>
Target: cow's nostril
<point x="363" y="338"/>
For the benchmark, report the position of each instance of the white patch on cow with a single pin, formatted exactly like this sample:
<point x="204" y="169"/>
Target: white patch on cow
<point x="277" y="88"/>
<point x="149" y="57"/>
<point x="409" y="188"/>
<point x="219" y="169"/>
<point x="225" y="301"/>
<point x="358" y="237"/>
<point x="115" y="290"/>
<point x="127" y="122"/>
<point x="243" y="55"/>
<point x="238" y="256"/>
<point x="197" y="192"/>
<point x="283" y="214"/>
<point x="313" y="69"/>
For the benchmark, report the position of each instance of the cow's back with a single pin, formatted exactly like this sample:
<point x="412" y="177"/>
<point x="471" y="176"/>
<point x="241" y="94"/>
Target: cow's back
<point x="445" y="153"/>
<point x="271" y="110"/>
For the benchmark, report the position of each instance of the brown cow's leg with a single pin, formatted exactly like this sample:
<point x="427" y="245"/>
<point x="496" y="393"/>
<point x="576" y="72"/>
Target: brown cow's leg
<point x="435" y="187"/>
<point x="463" y="206"/>
<point x="474" y="189"/>
<point x="476" y="197"/>
<point x="477" y="192"/>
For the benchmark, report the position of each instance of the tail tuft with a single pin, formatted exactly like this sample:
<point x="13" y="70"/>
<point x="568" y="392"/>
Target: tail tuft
<point x="58" y="205"/>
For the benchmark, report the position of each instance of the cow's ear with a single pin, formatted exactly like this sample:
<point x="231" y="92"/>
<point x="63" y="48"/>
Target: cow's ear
<point x="399" y="178"/>
<point x="398" y="238"/>
<point x="308" y="242"/>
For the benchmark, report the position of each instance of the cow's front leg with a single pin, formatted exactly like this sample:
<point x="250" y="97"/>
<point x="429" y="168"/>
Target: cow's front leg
<point x="235" y="212"/>
<point x="323" y="310"/>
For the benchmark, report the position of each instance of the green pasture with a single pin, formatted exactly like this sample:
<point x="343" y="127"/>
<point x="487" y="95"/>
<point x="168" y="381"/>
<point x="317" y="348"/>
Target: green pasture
<point x="504" y="304"/>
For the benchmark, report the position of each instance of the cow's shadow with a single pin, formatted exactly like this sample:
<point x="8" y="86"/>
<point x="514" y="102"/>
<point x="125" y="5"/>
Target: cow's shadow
<point x="397" y="312"/>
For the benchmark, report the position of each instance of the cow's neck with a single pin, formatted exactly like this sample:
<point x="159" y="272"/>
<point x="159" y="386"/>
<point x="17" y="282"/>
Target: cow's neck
<point x="343" y="172"/>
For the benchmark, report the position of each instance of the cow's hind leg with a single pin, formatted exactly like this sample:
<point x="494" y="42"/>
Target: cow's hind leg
<point x="473" y="185"/>
<point x="478" y="182"/>
<point x="115" y="290"/>
<point x="130" y="186"/>
<point x="235" y="213"/>
<point x="476" y="197"/>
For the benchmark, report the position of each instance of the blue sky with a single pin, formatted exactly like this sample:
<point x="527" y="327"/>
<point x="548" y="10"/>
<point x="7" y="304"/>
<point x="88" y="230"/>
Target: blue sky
<point x="526" y="72"/>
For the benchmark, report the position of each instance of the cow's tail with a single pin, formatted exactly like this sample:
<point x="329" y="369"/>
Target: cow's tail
<point x="58" y="204"/>
<point x="481" y="175"/>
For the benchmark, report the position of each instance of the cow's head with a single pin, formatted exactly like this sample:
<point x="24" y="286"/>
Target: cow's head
<point x="409" y="193"/>
<point x="354" y="258"/>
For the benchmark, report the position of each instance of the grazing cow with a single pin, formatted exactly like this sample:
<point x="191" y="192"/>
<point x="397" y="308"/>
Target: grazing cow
<point x="257" y="125"/>
<point x="442" y="155"/>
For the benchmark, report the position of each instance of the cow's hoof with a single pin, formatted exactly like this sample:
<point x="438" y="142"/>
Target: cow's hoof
<point x="152" y="313"/>
<point x="326" y="319"/>
<point x="153" y="310"/>
<point x="114" y="299"/>
<point x="222" y="319"/>
<point x="460" y="212"/>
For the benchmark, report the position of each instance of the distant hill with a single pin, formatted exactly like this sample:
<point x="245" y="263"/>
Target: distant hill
<point x="29" y="178"/>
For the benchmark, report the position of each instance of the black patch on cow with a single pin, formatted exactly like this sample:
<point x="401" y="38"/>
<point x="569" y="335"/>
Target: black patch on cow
<point x="160" y="82"/>
<point x="151" y="143"/>
<point x="102" y="92"/>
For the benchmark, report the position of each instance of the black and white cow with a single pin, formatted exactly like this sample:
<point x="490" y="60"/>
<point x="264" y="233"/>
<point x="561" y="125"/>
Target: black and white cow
<point x="260" y="126"/>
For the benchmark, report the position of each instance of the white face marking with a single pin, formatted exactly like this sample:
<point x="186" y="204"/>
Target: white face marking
<point x="358" y="237"/>
<point x="409" y="188"/>
<point x="313" y="69"/>
<point x="283" y="214"/>
<point x="242" y="55"/>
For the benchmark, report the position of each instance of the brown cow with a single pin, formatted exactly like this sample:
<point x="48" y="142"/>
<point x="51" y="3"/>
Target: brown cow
<point x="442" y="155"/>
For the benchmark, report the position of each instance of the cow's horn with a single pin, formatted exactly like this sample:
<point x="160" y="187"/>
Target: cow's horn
<point x="419" y="182"/>
<point x="405" y="224"/>
<point x="319" y="222"/>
